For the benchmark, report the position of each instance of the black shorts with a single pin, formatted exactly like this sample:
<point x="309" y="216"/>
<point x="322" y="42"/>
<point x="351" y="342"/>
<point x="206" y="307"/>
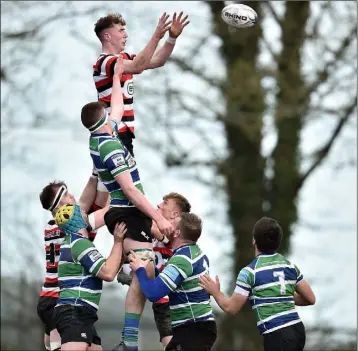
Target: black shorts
<point x="139" y="226"/>
<point x="45" y="309"/>
<point x="127" y="140"/>
<point x="198" y="336"/>
<point x="292" y="338"/>
<point x="76" y="324"/>
<point x="162" y="319"/>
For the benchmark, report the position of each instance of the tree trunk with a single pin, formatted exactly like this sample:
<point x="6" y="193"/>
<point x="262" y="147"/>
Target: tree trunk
<point x="291" y="105"/>
<point x="244" y="168"/>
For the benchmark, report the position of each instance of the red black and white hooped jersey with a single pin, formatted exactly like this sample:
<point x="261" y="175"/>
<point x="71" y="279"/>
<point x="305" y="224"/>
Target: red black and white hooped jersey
<point x="162" y="254"/>
<point x="53" y="239"/>
<point x="103" y="71"/>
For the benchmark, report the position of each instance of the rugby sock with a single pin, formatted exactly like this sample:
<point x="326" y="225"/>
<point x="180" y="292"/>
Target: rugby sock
<point x="130" y="330"/>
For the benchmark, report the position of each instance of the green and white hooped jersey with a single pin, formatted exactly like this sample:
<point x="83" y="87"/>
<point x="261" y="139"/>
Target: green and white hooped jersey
<point x="111" y="158"/>
<point x="78" y="267"/>
<point x="188" y="301"/>
<point x="270" y="282"/>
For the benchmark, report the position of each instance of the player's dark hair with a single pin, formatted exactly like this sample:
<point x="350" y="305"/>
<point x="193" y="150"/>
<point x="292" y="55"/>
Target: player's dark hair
<point x="92" y="113"/>
<point x="48" y="193"/>
<point x="190" y="226"/>
<point x="180" y="200"/>
<point x="107" y="22"/>
<point x="267" y="234"/>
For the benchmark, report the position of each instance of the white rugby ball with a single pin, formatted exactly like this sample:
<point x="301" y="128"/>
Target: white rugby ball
<point x="239" y="15"/>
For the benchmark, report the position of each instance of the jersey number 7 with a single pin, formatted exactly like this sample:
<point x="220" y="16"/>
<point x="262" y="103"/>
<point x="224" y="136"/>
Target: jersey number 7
<point x="281" y="278"/>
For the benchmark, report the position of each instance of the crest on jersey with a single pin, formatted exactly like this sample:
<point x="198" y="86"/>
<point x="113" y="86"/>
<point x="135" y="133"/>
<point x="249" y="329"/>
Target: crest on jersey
<point x="118" y="160"/>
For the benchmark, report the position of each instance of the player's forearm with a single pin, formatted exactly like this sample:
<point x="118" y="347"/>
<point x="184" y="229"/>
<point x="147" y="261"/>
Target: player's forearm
<point x="141" y="202"/>
<point x="224" y="303"/>
<point x="161" y="56"/>
<point x="157" y="233"/>
<point x="117" y="106"/>
<point x="153" y="289"/>
<point x="110" y="269"/>
<point x="142" y="60"/>
<point x="300" y="300"/>
<point x="89" y="194"/>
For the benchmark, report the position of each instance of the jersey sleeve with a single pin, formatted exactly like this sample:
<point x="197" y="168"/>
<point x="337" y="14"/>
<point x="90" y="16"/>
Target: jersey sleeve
<point x="299" y="275"/>
<point x="85" y="253"/>
<point x="244" y="282"/>
<point x="113" y="157"/>
<point x="176" y="271"/>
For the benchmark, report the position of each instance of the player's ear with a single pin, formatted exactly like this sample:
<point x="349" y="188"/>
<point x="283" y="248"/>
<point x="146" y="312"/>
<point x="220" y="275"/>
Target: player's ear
<point x="253" y="242"/>
<point x="106" y="36"/>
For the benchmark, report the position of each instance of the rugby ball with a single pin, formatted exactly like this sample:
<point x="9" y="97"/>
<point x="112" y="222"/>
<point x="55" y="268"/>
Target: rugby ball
<point x="239" y="15"/>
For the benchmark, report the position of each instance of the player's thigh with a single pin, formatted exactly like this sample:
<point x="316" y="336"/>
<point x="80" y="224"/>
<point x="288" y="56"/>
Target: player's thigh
<point x="78" y="346"/>
<point x="55" y="340"/>
<point x="138" y="224"/>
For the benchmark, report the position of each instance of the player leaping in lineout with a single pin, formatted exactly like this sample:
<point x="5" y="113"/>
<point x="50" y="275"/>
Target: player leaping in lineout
<point x="118" y="171"/>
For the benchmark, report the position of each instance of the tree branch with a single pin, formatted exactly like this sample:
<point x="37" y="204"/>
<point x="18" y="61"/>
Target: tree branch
<point x="269" y="7"/>
<point x="322" y="152"/>
<point x="199" y="73"/>
<point x="323" y="75"/>
<point x="21" y="35"/>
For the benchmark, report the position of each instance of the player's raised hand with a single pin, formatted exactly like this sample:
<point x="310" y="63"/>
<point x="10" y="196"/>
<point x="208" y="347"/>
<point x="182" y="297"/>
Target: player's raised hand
<point x="119" y="231"/>
<point x="119" y="67"/>
<point x="163" y="26"/>
<point x="209" y="285"/>
<point x="165" y="226"/>
<point x="136" y="262"/>
<point x="178" y="24"/>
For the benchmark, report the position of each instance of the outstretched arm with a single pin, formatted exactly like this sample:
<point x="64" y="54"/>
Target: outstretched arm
<point x="154" y="289"/>
<point x="89" y="192"/>
<point x="162" y="55"/>
<point x="142" y="60"/>
<point x="231" y="304"/>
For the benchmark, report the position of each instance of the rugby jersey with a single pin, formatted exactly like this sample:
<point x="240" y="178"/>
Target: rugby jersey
<point x="270" y="282"/>
<point x="79" y="265"/>
<point x="162" y="253"/>
<point x="111" y="158"/>
<point x="53" y="238"/>
<point x="188" y="301"/>
<point x="103" y="71"/>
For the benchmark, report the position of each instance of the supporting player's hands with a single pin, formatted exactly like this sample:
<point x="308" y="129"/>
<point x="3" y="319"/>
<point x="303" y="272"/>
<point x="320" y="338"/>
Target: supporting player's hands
<point x="209" y="285"/>
<point x="165" y="226"/>
<point x="119" y="67"/>
<point x="178" y="24"/>
<point x="163" y="26"/>
<point x="136" y="262"/>
<point x="119" y="231"/>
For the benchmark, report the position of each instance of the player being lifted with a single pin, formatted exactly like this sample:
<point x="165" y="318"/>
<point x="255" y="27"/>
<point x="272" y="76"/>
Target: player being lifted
<point x="274" y="286"/>
<point x="112" y="34"/>
<point x="81" y="273"/>
<point x="54" y="195"/>
<point x="118" y="171"/>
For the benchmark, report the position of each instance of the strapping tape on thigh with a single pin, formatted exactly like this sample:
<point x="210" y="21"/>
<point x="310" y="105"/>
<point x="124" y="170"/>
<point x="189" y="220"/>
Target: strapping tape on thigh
<point x="144" y="254"/>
